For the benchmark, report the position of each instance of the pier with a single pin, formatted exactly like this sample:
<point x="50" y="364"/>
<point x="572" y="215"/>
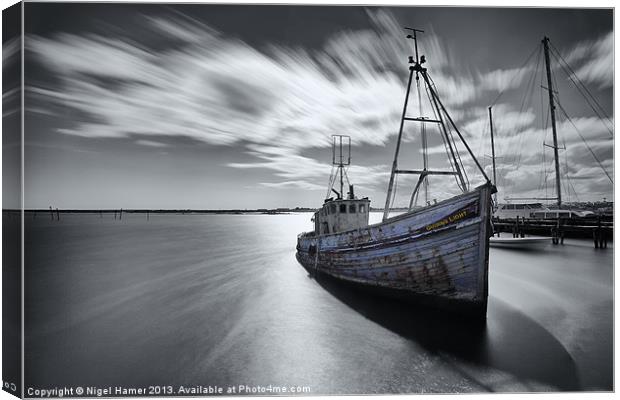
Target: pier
<point x="599" y="229"/>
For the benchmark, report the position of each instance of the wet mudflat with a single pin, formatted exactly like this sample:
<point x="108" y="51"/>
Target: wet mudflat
<point x="221" y="300"/>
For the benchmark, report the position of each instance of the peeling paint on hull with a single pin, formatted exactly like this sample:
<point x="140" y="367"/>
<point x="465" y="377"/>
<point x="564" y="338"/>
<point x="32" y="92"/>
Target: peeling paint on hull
<point x="436" y="256"/>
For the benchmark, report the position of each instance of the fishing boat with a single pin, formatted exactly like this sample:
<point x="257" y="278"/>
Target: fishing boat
<point x="435" y="255"/>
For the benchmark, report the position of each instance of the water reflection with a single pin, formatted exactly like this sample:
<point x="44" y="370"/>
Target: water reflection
<point x="509" y="341"/>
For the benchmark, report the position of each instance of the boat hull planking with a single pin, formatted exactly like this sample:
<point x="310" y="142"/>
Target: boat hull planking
<point x="436" y="256"/>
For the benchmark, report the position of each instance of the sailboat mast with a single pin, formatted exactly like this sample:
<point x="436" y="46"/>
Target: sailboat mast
<point x="545" y="42"/>
<point x="340" y="167"/>
<point x="492" y="148"/>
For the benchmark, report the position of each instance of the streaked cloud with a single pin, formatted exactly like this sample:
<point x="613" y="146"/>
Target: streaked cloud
<point x="276" y="102"/>
<point x="595" y="59"/>
<point x="151" y="143"/>
<point x="303" y="185"/>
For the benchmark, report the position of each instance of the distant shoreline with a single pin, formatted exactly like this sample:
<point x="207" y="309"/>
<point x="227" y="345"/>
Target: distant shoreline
<point x="259" y="211"/>
<point x="161" y="211"/>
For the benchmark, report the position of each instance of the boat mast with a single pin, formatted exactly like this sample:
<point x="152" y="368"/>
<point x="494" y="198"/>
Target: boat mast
<point x="493" y="151"/>
<point x="339" y="160"/>
<point x="341" y="168"/>
<point x="386" y="210"/>
<point x="440" y="111"/>
<point x="545" y="42"/>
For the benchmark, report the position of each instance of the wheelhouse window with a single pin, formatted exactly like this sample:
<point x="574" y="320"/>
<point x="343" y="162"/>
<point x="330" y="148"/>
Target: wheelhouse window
<point x="332" y="209"/>
<point x="362" y="208"/>
<point x="343" y="208"/>
<point x="352" y="209"/>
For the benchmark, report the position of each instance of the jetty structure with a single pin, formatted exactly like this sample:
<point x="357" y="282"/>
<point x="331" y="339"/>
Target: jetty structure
<point x="528" y="215"/>
<point x="435" y="255"/>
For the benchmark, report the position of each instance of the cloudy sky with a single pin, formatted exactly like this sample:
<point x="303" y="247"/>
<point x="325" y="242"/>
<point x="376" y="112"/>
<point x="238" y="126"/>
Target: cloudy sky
<point x="211" y="106"/>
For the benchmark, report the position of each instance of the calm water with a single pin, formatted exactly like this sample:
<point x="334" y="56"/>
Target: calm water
<point x="221" y="300"/>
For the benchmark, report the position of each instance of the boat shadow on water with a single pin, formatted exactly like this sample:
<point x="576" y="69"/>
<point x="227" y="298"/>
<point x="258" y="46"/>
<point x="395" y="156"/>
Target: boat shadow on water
<point x="508" y="341"/>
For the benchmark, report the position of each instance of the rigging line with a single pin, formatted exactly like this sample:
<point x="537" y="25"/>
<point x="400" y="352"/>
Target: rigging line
<point x="546" y="175"/>
<point x="527" y="95"/>
<point x="330" y="184"/>
<point x="458" y="156"/>
<point x="542" y="171"/>
<point x="545" y="138"/>
<point x="586" y="98"/>
<point x="449" y="119"/>
<point x="415" y="200"/>
<point x="481" y="139"/>
<point x="568" y="181"/>
<point x="347" y="178"/>
<point x="543" y="126"/>
<point x="601" y="118"/>
<point x="531" y="100"/>
<point x="516" y="160"/>
<point x="585" y="142"/>
<point x="543" y="174"/>
<point x="572" y="72"/>
<point x="539" y="45"/>
<point x="395" y="190"/>
<point x="443" y="139"/>
<point x="423" y="135"/>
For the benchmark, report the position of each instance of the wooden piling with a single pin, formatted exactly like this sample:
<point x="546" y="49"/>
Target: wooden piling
<point x="52" y="212"/>
<point x="595" y="237"/>
<point x="57" y="215"/>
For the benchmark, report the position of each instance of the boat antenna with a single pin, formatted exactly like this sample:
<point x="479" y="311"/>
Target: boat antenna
<point x="341" y="158"/>
<point x="415" y="43"/>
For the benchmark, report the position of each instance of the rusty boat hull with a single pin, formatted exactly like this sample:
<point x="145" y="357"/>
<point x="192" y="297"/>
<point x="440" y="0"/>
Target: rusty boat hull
<point x="436" y="256"/>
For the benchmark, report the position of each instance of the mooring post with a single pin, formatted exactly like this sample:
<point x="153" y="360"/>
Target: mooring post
<point x="147" y="215"/>
<point x="57" y="214"/>
<point x="515" y="230"/>
<point x="120" y="215"/>
<point x="115" y="214"/>
<point x="52" y="212"/>
<point x="600" y="239"/>
<point x="595" y="237"/>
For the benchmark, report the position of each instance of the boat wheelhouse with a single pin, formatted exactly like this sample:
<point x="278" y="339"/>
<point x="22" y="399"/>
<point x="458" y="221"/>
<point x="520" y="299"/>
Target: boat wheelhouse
<point x="339" y="215"/>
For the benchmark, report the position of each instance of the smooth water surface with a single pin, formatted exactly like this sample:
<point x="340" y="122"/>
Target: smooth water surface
<point x="221" y="300"/>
